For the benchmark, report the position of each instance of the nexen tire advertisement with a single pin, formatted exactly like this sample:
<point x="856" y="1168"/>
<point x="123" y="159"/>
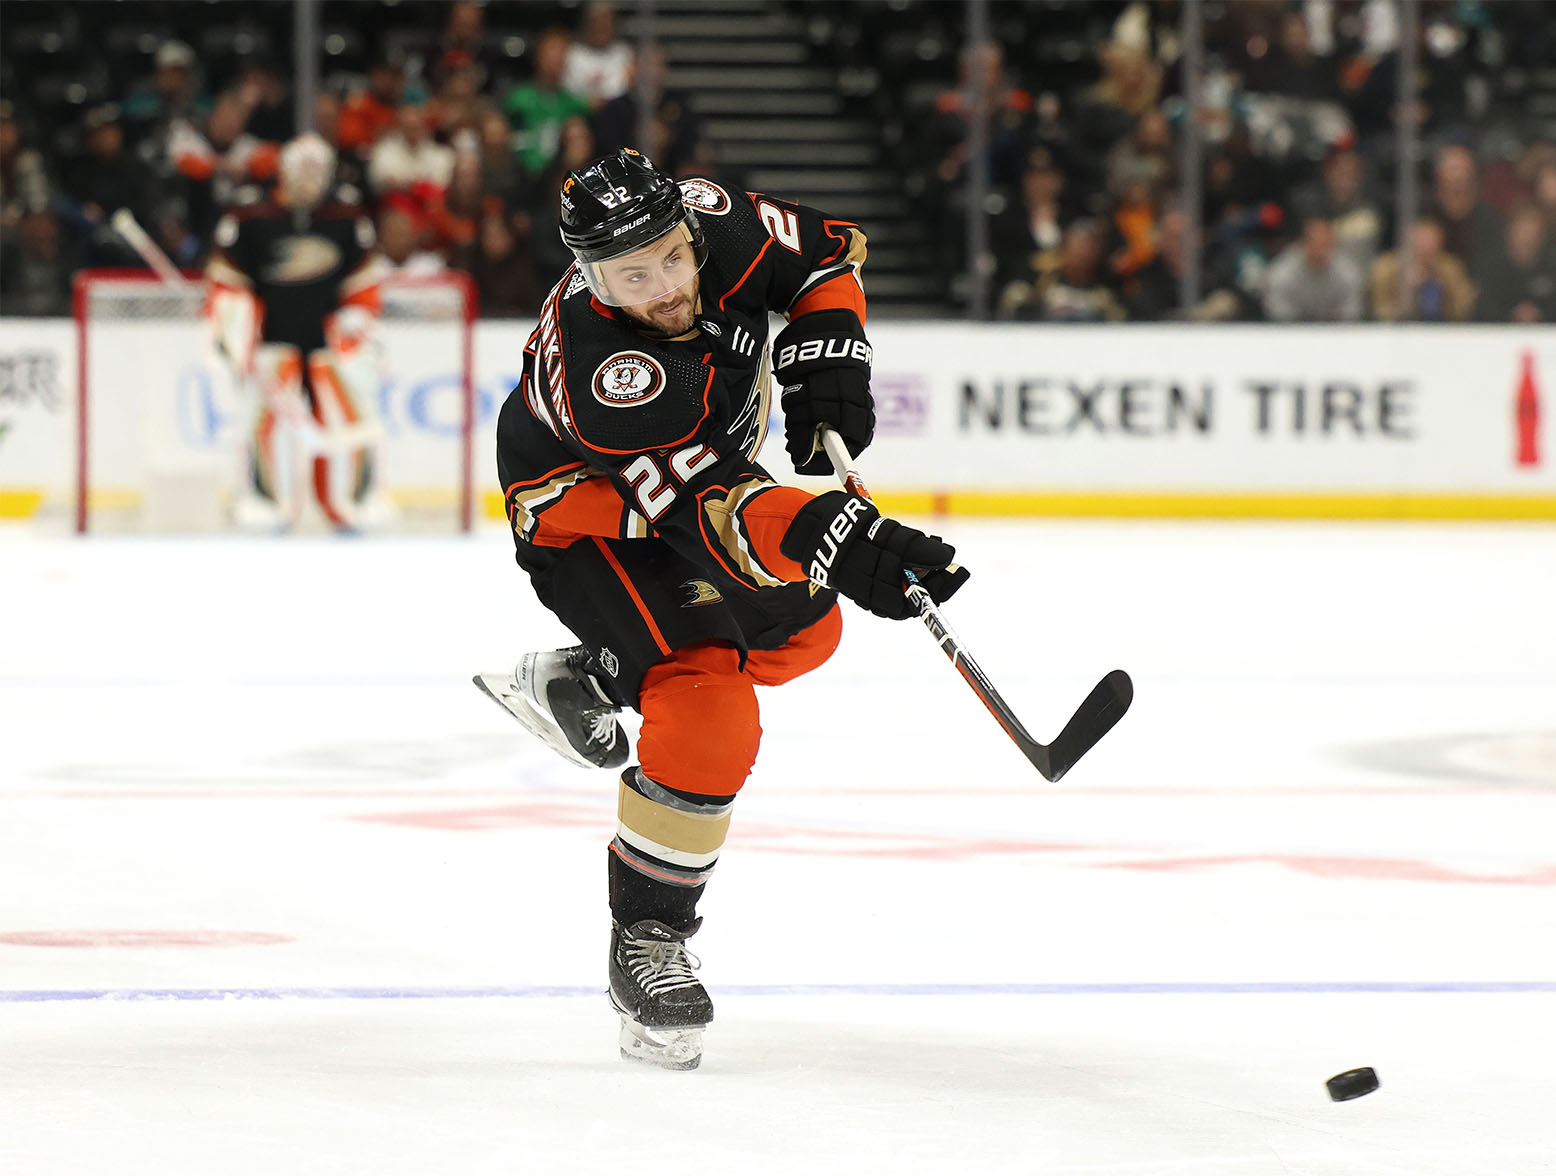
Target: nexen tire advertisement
<point x="979" y="417"/>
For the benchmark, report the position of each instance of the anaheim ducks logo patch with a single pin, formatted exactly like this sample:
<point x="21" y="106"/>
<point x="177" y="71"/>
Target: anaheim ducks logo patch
<point x="628" y="379"/>
<point x="304" y="258"/>
<point x="705" y="196"/>
<point x="701" y="592"/>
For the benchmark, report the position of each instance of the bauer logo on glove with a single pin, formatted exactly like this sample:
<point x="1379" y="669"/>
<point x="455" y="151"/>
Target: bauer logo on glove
<point x="823" y="362"/>
<point x="867" y="564"/>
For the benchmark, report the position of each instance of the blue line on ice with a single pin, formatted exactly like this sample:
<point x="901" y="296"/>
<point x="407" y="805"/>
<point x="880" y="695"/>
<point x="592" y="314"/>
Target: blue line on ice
<point x="547" y="992"/>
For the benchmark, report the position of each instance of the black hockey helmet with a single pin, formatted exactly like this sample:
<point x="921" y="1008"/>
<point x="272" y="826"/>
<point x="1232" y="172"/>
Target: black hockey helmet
<point x="622" y="205"/>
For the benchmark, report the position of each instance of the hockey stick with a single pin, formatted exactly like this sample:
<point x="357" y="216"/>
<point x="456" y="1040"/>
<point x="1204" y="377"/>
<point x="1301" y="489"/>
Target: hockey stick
<point x="125" y="224"/>
<point x="1103" y="707"/>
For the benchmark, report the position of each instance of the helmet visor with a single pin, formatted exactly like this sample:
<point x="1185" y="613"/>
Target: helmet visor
<point x="648" y="273"/>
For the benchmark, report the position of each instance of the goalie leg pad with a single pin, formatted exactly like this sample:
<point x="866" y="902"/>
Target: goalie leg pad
<point x="275" y="436"/>
<point x="343" y="387"/>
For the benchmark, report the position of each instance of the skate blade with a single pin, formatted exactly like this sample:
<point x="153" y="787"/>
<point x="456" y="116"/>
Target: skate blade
<point x="503" y="690"/>
<point x="669" y="1049"/>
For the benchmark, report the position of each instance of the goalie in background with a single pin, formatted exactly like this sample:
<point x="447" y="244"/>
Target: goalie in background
<point x="294" y="307"/>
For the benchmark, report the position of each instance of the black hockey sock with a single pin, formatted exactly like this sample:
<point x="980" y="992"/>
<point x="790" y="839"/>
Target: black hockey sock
<point x="635" y="896"/>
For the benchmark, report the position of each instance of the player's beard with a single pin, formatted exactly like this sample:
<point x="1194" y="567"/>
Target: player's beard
<point x="670" y="316"/>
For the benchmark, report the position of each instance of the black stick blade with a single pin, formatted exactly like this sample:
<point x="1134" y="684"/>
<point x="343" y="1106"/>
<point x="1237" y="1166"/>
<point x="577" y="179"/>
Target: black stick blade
<point x="1095" y="717"/>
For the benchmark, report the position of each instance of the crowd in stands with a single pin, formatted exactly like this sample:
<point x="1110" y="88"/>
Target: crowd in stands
<point x="1298" y="118"/>
<point x="454" y="144"/>
<point x="455" y="136"/>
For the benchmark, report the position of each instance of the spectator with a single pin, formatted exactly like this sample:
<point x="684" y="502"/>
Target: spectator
<point x="174" y="94"/>
<point x="501" y="174"/>
<point x="216" y="166"/>
<point x="408" y="160"/>
<point x="537" y="110"/>
<point x="1145" y="154"/>
<point x="35" y="273"/>
<point x="1440" y="289"/>
<point x="463" y="47"/>
<point x="1026" y="236"/>
<point x="368" y="114"/>
<point x="1007" y="111"/>
<point x="1152" y="294"/>
<point x="1049" y="129"/>
<point x="1471" y="231"/>
<point x="1342" y="198"/>
<point x="1312" y="282"/>
<point x="598" y="65"/>
<point x="1520" y="286"/>
<point x="104" y="179"/>
<point x="400" y="241"/>
<point x="1107" y="112"/>
<point x="24" y="181"/>
<point x="456" y="219"/>
<point x="674" y="126"/>
<point x="272" y="112"/>
<point x="1292" y="68"/>
<point x="454" y="109"/>
<point x="1074" y="291"/>
<point x="551" y="256"/>
<point x="1237" y="263"/>
<point x="503" y="271"/>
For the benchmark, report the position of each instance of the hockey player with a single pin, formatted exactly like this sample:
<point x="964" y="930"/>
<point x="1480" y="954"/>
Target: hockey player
<point x="294" y="303"/>
<point x="628" y="459"/>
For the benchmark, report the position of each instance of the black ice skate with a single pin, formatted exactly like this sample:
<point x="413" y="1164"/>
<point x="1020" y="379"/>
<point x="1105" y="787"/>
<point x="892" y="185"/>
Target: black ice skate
<point x="555" y="696"/>
<point x="664" y="1007"/>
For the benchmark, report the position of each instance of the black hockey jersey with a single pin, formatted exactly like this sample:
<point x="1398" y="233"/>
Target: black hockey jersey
<point x="617" y="433"/>
<point x="302" y="265"/>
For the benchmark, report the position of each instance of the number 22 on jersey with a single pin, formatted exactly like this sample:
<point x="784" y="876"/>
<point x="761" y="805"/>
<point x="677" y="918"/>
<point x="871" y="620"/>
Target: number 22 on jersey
<point x="654" y="493"/>
<point x="781" y="225"/>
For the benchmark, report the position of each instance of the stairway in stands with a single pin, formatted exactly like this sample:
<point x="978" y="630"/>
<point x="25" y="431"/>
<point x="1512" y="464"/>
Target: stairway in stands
<point x="774" y="115"/>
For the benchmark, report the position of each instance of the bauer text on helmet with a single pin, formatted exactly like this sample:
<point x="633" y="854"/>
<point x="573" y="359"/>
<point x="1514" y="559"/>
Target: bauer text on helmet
<point x="638" y="246"/>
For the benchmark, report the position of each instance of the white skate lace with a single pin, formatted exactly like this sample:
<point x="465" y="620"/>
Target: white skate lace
<point x="661" y="967"/>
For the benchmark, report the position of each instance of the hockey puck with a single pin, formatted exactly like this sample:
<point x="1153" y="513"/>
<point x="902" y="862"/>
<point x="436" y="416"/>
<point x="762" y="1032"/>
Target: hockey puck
<point x="1352" y="1084"/>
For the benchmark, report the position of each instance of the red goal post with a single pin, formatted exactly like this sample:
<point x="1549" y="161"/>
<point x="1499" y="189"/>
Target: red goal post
<point x="160" y="421"/>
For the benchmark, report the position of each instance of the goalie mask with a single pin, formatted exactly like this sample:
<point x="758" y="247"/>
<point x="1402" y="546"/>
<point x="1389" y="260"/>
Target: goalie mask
<point x="306" y="169"/>
<point x="635" y="240"/>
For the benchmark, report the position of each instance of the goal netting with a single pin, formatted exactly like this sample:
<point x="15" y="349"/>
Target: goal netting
<point x="161" y="424"/>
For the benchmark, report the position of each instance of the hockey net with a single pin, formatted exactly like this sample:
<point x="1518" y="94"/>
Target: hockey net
<point x="161" y="422"/>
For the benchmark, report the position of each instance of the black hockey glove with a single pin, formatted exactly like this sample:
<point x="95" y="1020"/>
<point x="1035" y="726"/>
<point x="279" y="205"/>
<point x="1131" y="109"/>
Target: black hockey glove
<point x="823" y="362"/>
<point x="843" y="542"/>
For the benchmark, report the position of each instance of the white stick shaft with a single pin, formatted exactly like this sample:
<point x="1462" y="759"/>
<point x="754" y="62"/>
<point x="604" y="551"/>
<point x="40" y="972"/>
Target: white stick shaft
<point x="125" y="224"/>
<point x="843" y="465"/>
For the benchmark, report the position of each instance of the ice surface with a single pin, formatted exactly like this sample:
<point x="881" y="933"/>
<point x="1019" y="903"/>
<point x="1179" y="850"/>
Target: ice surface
<point x="362" y="915"/>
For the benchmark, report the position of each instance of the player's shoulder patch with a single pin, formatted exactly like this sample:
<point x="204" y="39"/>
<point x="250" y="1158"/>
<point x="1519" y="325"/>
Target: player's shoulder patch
<point x="628" y="379"/>
<point x="704" y="196"/>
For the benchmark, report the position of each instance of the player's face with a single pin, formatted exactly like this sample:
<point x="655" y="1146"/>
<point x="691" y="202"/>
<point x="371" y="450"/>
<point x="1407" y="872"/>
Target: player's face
<point x="658" y="284"/>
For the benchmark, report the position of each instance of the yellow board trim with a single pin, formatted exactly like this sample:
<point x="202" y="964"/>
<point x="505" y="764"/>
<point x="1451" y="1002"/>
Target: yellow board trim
<point x="973" y="503"/>
<point x="20" y="504"/>
<point x="23" y="504"/>
<point x="1147" y="505"/>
